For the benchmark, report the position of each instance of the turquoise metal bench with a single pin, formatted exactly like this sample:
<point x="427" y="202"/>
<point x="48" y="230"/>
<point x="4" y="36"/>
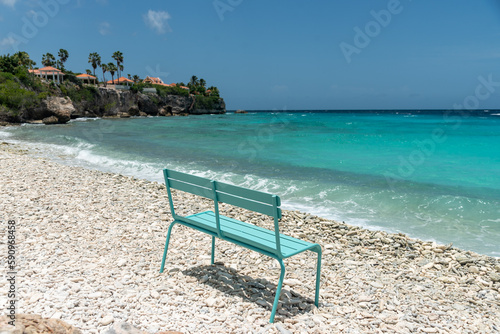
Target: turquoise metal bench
<point x="270" y="243"/>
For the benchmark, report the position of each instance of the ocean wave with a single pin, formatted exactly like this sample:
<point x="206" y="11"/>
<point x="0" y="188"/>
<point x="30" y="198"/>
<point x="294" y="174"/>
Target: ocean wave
<point x="148" y="171"/>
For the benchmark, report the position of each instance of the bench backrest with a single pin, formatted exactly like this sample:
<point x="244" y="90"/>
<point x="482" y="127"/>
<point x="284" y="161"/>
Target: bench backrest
<point x="252" y="200"/>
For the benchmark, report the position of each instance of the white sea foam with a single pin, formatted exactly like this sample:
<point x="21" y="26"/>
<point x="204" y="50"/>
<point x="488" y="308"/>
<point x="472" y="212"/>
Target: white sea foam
<point x="148" y="171"/>
<point x="81" y="154"/>
<point x="84" y="119"/>
<point x="5" y="134"/>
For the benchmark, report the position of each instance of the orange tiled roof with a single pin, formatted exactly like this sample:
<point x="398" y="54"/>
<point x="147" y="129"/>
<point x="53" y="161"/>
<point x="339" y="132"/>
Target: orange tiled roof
<point x="85" y="76"/>
<point x="123" y="79"/>
<point x="119" y="80"/>
<point x="49" y="69"/>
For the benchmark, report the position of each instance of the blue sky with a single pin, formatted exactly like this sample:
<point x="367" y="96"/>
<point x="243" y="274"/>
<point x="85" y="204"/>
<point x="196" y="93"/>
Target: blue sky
<point x="293" y="54"/>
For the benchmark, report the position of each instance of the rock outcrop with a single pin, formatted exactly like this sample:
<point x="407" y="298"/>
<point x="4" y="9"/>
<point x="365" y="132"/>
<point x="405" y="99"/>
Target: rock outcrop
<point x="50" y="120"/>
<point x="114" y="103"/>
<point x="60" y="107"/>
<point x="52" y="110"/>
<point x="109" y="102"/>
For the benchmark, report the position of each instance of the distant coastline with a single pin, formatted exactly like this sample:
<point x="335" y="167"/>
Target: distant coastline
<point x="449" y="112"/>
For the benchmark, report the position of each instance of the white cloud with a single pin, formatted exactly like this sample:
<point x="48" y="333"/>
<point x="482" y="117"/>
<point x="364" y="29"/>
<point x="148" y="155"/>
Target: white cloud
<point x="157" y="20"/>
<point x="7" y="43"/>
<point x="9" y="3"/>
<point x="104" y="28"/>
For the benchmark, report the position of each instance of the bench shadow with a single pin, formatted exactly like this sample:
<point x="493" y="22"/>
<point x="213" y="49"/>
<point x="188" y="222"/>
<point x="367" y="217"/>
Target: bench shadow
<point x="258" y="291"/>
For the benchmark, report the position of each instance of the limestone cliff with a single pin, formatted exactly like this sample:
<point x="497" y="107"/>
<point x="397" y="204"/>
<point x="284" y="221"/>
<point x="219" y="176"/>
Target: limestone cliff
<point x="108" y="102"/>
<point x="117" y="103"/>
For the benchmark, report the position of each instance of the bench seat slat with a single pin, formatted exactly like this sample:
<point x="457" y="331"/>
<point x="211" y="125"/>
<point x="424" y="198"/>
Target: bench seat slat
<point x="254" y="195"/>
<point x="199" y="181"/>
<point x="246" y="204"/>
<point x="247" y="233"/>
<point x="192" y="188"/>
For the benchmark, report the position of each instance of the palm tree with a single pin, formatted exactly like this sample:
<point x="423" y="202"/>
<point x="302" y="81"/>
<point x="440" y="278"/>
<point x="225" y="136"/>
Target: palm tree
<point x="89" y="72"/>
<point x="63" y="56"/>
<point x="202" y="83"/>
<point x="214" y="91"/>
<point x="118" y="56"/>
<point x="194" y="81"/>
<point x="94" y="60"/>
<point x="48" y="59"/>
<point x="104" y="68"/>
<point x="136" y="78"/>
<point x="22" y="58"/>
<point x="112" y="69"/>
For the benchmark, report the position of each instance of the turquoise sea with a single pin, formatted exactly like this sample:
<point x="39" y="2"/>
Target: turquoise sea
<point x="431" y="175"/>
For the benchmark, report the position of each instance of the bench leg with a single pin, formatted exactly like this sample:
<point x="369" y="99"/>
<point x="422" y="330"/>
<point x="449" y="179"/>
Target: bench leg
<point x="213" y="250"/>
<point x="166" y="247"/>
<point x="318" y="278"/>
<point x="278" y="291"/>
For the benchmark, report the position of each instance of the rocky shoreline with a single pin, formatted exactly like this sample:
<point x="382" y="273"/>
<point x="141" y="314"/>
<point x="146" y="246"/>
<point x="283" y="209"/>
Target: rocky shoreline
<point x="90" y="245"/>
<point x="110" y="102"/>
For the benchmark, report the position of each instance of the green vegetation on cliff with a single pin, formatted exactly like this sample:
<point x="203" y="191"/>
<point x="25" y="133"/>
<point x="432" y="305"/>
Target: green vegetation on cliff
<point x="20" y="90"/>
<point x="13" y="96"/>
<point x="162" y="91"/>
<point x="199" y="87"/>
<point x="205" y="102"/>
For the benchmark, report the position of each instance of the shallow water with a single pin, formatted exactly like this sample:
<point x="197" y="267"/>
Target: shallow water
<point x="432" y="176"/>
